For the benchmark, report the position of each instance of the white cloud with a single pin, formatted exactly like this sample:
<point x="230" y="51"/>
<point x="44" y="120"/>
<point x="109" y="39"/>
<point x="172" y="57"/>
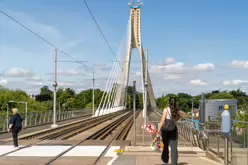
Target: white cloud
<point x="38" y="83"/>
<point x="138" y="74"/>
<point x="18" y="72"/>
<point x="234" y="82"/>
<point x="3" y="82"/>
<point x="170" y="68"/>
<point x="239" y="64"/>
<point x="35" y="78"/>
<point x="69" y="72"/>
<point x="169" y="60"/>
<point x="65" y="84"/>
<point x="204" y="67"/>
<point x="198" y="82"/>
<point x="172" y="77"/>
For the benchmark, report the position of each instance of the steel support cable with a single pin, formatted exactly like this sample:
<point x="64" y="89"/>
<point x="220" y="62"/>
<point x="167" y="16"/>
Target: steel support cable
<point x="127" y="45"/>
<point x="106" y="85"/>
<point x="46" y="41"/>
<point x="104" y="94"/>
<point x="110" y="100"/>
<point x="115" y="94"/>
<point x="108" y="90"/>
<point x="112" y="76"/>
<point x="111" y="92"/>
<point x="124" y="87"/>
<point x="113" y="88"/>
<point x="105" y="90"/>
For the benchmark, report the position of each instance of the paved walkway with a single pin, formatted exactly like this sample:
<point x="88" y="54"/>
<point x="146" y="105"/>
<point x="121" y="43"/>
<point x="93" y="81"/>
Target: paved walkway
<point x="41" y="127"/>
<point x="143" y="155"/>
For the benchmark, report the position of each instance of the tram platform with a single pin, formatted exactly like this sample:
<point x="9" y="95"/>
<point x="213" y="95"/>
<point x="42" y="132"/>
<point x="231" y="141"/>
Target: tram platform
<point x="38" y="154"/>
<point x="142" y="154"/>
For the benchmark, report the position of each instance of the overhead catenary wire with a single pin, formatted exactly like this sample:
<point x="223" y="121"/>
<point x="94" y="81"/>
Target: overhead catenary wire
<point x="43" y="39"/>
<point x="100" y="30"/>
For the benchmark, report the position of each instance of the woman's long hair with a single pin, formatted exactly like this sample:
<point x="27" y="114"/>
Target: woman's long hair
<point x="174" y="108"/>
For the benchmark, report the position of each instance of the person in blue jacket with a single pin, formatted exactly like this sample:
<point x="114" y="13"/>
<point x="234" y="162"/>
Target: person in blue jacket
<point x="16" y="125"/>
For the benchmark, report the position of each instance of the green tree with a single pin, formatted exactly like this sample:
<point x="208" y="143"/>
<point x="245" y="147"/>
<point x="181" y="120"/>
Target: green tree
<point x="45" y="91"/>
<point x="222" y="95"/>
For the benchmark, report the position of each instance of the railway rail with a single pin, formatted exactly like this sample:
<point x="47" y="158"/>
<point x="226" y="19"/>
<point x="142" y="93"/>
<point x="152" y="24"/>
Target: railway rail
<point x="66" y="131"/>
<point x="124" y="124"/>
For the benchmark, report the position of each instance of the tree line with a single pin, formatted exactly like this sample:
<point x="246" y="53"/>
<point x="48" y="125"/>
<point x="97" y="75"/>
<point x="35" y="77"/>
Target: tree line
<point x="68" y="99"/>
<point x="185" y="100"/>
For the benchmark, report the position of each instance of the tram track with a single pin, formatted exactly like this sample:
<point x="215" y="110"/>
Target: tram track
<point x="117" y="130"/>
<point x="65" y="131"/>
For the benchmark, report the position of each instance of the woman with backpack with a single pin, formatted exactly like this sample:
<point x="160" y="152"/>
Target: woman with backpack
<point x="169" y="132"/>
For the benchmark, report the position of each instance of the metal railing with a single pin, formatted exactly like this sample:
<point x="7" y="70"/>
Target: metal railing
<point x="193" y="132"/>
<point x="208" y="137"/>
<point x="41" y="118"/>
<point x="238" y="144"/>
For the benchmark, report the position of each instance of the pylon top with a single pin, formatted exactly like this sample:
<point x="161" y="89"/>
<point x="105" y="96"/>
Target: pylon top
<point x="135" y="6"/>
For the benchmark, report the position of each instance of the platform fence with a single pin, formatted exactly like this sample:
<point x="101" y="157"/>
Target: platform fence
<point x="208" y="137"/>
<point x="41" y="118"/>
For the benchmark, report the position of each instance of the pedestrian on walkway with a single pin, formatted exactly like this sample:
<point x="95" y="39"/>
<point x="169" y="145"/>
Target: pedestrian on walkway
<point x="16" y="125"/>
<point x="169" y="132"/>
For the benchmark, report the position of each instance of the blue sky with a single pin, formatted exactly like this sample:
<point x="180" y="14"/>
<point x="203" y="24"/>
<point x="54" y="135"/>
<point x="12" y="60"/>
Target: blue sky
<point x="192" y="44"/>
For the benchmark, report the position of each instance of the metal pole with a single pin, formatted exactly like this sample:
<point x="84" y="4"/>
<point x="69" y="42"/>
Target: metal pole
<point x="226" y="151"/>
<point x="134" y="109"/>
<point x="192" y="112"/>
<point x="146" y="85"/>
<point x="26" y="115"/>
<point x="93" y="95"/>
<point x="54" y="91"/>
<point x="7" y="121"/>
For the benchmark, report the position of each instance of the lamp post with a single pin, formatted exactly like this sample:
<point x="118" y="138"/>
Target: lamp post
<point x="134" y="112"/>
<point x="54" y="90"/>
<point x="146" y="89"/>
<point x="26" y="109"/>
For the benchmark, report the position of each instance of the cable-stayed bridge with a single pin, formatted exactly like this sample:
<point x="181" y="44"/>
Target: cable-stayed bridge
<point x="110" y="135"/>
<point x="115" y="91"/>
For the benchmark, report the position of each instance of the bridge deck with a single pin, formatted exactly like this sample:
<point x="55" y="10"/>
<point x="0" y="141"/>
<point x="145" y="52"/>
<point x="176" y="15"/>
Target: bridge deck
<point x="87" y="152"/>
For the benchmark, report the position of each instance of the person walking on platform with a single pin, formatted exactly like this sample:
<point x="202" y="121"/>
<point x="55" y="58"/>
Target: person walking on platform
<point x="16" y="125"/>
<point x="169" y="132"/>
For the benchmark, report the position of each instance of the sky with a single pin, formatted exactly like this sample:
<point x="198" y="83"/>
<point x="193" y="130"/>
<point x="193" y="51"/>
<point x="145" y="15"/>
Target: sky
<point x="194" y="46"/>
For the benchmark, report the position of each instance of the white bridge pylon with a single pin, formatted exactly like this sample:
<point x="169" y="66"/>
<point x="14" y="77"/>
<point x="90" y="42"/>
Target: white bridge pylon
<point x="115" y="90"/>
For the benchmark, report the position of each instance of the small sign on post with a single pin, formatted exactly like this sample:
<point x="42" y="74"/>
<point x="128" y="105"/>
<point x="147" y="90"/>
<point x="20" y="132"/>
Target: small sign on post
<point x="151" y="129"/>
